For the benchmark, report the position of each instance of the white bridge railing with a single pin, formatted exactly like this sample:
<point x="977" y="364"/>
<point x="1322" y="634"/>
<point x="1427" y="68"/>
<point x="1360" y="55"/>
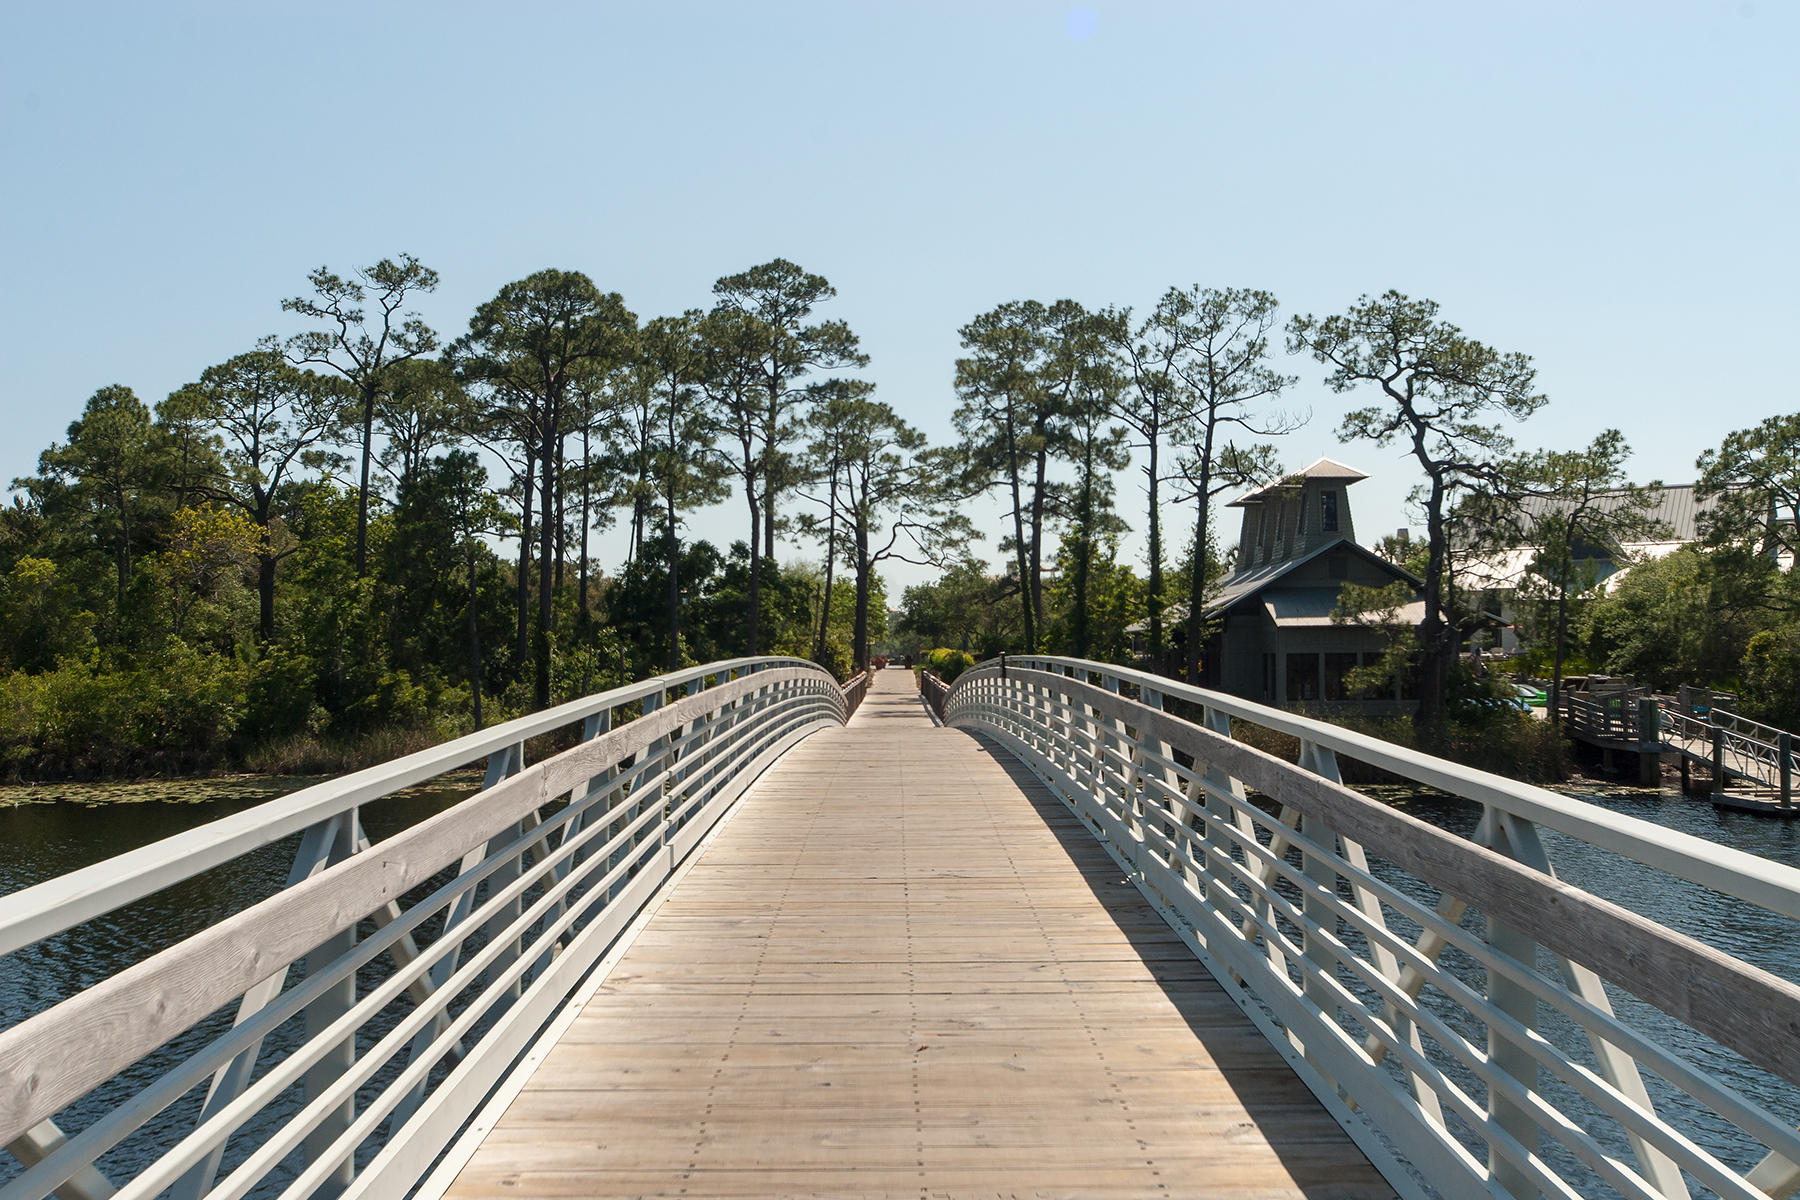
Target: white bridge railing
<point x="332" y="1039"/>
<point x="1480" y="1026"/>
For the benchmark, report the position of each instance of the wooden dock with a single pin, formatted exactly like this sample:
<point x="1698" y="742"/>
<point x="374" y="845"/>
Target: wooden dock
<point x="902" y="968"/>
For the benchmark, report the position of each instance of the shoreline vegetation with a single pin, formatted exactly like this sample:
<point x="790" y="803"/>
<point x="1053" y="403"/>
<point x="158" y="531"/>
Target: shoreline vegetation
<point x="361" y="538"/>
<point x="202" y="789"/>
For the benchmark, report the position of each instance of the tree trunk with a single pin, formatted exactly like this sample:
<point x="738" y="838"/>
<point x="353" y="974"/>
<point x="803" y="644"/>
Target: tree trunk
<point x="674" y="553"/>
<point x="362" y="491"/>
<point x="830" y="565"/>
<point x="1434" y="670"/>
<point x="640" y="513"/>
<point x="474" y="644"/>
<point x="860" y="636"/>
<point x="771" y="475"/>
<point x="548" y="555"/>
<point x="1019" y="555"/>
<point x="1155" y="603"/>
<point x="523" y="648"/>
<point x="1196" y="620"/>
<point x="1037" y="539"/>
<point x="265" y="592"/>
<point x="586" y="500"/>
<point x="756" y="559"/>
<point x="562" y="519"/>
<point x="1084" y="554"/>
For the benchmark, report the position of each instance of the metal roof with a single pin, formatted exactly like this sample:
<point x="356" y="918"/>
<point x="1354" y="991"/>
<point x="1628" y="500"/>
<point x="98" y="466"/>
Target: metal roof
<point x="1240" y="584"/>
<point x="1674" y="506"/>
<point x="1325" y="468"/>
<point x="1292" y="608"/>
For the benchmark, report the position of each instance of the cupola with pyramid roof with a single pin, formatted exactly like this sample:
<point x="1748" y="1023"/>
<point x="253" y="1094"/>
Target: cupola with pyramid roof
<point x="1296" y="514"/>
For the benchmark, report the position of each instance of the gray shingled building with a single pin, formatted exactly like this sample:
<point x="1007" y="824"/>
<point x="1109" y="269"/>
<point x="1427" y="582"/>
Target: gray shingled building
<point x="1276" y="642"/>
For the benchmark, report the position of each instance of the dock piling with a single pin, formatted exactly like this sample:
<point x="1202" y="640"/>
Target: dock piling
<point x="1785" y="751"/>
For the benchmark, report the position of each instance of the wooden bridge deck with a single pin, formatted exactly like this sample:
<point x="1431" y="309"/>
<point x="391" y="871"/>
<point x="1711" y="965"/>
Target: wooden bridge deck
<point x="903" y="969"/>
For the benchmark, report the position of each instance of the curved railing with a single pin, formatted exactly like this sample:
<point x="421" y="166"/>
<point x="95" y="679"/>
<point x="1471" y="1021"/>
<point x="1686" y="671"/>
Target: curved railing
<point x="1477" y="1024"/>
<point x="334" y="1037"/>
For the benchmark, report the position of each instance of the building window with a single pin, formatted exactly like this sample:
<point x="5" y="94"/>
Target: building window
<point x="1336" y="667"/>
<point x="1302" y="678"/>
<point x="1328" y="512"/>
<point x="1280" y="522"/>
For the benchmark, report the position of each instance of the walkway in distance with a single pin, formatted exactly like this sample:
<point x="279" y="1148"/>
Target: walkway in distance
<point x="904" y="968"/>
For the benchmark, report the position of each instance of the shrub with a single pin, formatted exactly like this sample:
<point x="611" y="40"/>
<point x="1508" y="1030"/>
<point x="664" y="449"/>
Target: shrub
<point x="176" y="710"/>
<point x="948" y="664"/>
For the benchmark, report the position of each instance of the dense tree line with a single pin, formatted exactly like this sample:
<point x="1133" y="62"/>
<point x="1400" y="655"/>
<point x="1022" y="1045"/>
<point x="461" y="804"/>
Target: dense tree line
<point x="365" y="531"/>
<point x="369" y="530"/>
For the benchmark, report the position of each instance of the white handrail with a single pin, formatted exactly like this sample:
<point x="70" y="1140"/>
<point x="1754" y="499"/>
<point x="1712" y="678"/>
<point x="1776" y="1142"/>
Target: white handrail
<point x="34" y="913"/>
<point x="1770" y="885"/>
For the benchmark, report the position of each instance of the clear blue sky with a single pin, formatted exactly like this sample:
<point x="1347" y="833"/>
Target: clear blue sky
<point x="1610" y="188"/>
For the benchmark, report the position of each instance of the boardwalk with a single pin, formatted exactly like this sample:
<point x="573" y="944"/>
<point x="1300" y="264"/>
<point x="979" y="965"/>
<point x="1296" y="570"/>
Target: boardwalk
<point x="903" y="969"/>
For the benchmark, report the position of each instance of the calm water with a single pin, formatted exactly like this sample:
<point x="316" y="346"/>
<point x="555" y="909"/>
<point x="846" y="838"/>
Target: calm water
<point x="39" y="841"/>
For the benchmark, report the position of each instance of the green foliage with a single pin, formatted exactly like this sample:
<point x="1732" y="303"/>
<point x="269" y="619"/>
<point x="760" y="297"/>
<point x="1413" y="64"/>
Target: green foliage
<point x="41" y="617"/>
<point x="966" y="608"/>
<point x="1753" y="479"/>
<point x="1380" y="609"/>
<point x="1685" y="618"/>
<point x="1448" y="397"/>
<point x="1114" y="600"/>
<point x="175" y="709"/>
<point x="947" y="664"/>
<point x="1770" y="677"/>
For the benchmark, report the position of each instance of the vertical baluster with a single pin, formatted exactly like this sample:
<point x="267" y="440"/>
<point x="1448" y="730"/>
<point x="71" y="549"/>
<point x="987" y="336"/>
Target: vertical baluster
<point x="46" y="1138"/>
<point x="1507" y="1054"/>
<point x="331" y="1005"/>
<point x="313" y="856"/>
<point x="648" y="763"/>
<point x="1614" y="1065"/>
<point x="1322" y="872"/>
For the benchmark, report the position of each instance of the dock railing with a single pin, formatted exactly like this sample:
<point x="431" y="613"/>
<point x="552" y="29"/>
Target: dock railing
<point x="1478" y="1025"/>
<point x="1736" y="746"/>
<point x="333" y="1038"/>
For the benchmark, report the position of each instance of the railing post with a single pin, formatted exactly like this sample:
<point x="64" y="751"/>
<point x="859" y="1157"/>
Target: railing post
<point x="1521" y="842"/>
<point x="1220" y="811"/>
<point x="318" y="845"/>
<point x="1321" y="761"/>
<point x="1517" y="1002"/>
<point x="1174" y="817"/>
<point x="1784" y="749"/>
<point x="1649" y="742"/>
<point x="320" y="1014"/>
<point x="1718" y="760"/>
